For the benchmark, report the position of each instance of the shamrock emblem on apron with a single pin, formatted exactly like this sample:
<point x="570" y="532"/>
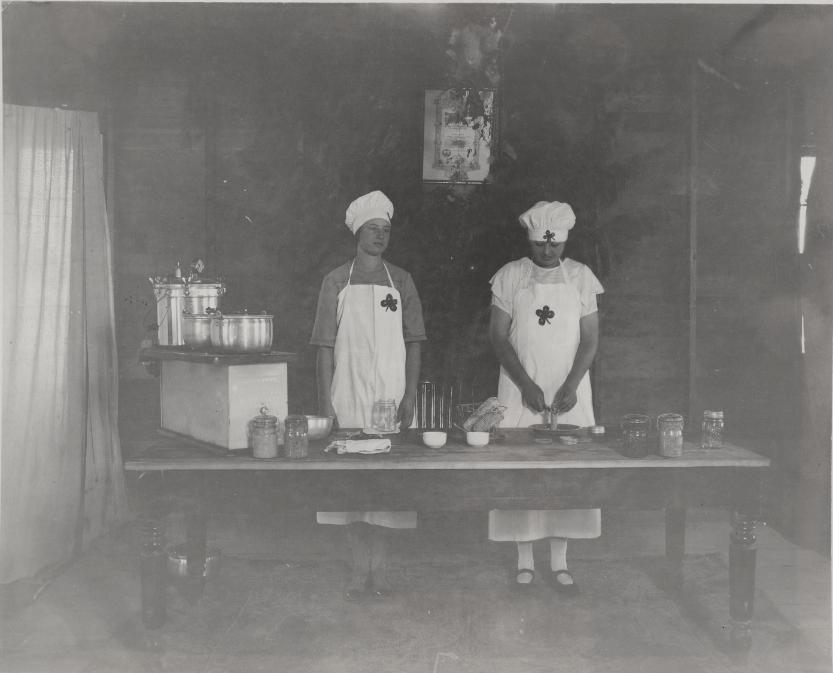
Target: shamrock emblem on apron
<point x="549" y="235"/>
<point x="389" y="303"/>
<point x="544" y="314"/>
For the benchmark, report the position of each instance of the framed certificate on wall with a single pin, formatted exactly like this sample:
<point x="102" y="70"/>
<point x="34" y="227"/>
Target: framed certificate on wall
<point x="457" y="135"/>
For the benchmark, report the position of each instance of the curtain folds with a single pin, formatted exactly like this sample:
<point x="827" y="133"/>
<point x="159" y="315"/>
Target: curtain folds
<point x="61" y="479"/>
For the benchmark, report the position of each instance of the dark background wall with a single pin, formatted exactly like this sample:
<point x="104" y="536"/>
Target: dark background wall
<point x="239" y="134"/>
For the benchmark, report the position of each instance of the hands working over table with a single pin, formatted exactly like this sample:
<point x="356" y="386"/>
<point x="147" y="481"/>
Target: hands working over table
<point x="565" y="398"/>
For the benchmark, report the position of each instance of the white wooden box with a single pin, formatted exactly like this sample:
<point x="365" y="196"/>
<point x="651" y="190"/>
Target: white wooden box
<point x="214" y="402"/>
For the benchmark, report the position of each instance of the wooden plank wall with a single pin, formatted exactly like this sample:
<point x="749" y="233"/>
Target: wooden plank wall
<point x="160" y="212"/>
<point x="747" y="334"/>
<point x="641" y="366"/>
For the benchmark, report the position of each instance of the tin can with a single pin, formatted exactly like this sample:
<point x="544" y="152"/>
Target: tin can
<point x="635" y="435"/>
<point x="670" y="435"/>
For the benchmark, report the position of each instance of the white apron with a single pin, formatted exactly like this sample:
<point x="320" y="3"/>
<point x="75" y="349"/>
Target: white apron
<point x="545" y="334"/>
<point x="369" y="359"/>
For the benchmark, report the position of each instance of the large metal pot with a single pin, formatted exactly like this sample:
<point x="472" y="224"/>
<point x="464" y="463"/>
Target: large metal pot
<point x="175" y="299"/>
<point x="241" y="333"/>
<point x="196" y="331"/>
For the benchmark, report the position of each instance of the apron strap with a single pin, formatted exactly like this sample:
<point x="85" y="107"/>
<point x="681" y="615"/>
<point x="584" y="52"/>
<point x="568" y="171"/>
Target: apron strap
<point x="564" y="273"/>
<point x="387" y="271"/>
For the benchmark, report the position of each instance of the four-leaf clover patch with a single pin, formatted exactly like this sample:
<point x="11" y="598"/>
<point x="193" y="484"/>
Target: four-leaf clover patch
<point x="544" y="314"/>
<point x="389" y="302"/>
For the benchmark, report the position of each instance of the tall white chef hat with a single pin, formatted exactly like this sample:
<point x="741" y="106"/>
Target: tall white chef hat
<point x="374" y="205"/>
<point x="548" y="221"/>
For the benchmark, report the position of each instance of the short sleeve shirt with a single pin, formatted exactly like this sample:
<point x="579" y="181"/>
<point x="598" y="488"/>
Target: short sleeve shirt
<point x="324" y="329"/>
<point x="507" y="281"/>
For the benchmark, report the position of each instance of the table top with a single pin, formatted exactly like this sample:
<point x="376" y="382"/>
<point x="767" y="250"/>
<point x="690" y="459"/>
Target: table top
<point x="510" y="449"/>
<point x="182" y="353"/>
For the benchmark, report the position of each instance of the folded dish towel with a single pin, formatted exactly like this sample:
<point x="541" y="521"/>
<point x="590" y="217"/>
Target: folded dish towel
<point x="359" y="446"/>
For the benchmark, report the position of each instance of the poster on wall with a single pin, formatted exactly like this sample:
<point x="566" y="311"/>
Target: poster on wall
<point x="458" y="133"/>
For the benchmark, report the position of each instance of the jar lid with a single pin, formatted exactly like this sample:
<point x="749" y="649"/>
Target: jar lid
<point x="296" y="418"/>
<point x="264" y="419"/>
<point x="670" y="417"/>
<point x="713" y="414"/>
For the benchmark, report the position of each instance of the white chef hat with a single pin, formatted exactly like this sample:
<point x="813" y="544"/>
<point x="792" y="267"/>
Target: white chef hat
<point x="368" y="207"/>
<point x="548" y="221"/>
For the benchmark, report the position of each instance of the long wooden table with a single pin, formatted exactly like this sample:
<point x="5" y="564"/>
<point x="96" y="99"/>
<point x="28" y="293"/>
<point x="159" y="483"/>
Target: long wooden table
<point x="515" y="471"/>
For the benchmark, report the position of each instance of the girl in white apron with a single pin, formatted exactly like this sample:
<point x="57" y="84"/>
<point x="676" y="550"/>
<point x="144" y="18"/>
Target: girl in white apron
<point x="538" y="335"/>
<point x="369" y="364"/>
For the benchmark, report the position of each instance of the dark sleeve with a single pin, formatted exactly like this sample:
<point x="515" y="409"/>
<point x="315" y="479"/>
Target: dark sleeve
<point x="413" y="327"/>
<point x="324" y="329"/>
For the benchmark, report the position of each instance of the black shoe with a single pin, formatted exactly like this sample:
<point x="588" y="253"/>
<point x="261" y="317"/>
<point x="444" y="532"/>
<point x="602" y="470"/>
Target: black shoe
<point x="522" y="586"/>
<point x="560" y="587"/>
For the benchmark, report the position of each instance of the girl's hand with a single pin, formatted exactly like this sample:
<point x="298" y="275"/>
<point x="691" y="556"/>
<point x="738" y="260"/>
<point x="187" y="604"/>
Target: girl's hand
<point x="565" y="399"/>
<point x="533" y="397"/>
<point x="405" y="413"/>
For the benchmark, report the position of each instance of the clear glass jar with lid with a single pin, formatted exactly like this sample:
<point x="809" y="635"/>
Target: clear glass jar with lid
<point x="263" y="435"/>
<point x="383" y="415"/>
<point x="712" y="430"/>
<point x="670" y="435"/>
<point x="296" y="437"/>
<point x="635" y="435"/>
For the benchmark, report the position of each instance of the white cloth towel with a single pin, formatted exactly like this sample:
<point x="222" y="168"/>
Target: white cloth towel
<point x="359" y="446"/>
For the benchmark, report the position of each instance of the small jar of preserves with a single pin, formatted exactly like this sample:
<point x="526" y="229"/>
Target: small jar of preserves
<point x="712" y="430"/>
<point x="670" y="435"/>
<point x="263" y="435"/>
<point x="383" y="415"/>
<point x="635" y="435"/>
<point x="296" y="437"/>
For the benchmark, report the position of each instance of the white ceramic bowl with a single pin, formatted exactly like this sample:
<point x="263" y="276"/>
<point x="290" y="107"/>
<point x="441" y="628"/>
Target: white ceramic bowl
<point x="434" y="439"/>
<point x="477" y="438"/>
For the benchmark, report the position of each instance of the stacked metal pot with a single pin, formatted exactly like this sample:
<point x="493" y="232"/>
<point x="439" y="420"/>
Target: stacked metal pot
<point x="188" y="314"/>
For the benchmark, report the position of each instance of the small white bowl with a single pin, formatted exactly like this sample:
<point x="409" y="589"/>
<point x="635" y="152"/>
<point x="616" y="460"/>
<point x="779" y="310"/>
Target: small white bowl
<point x="477" y="438"/>
<point x="434" y="439"/>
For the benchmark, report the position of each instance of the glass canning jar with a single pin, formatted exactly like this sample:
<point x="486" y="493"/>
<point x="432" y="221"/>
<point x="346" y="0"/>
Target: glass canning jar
<point x="263" y="435"/>
<point x="712" y="430"/>
<point x="635" y="435"/>
<point x="383" y="415"/>
<point x="296" y="437"/>
<point x="670" y="435"/>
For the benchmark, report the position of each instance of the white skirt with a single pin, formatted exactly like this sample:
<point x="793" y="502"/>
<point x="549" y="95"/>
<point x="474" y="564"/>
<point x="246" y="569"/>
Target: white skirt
<point x="527" y="525"/>
<point x="386" y="519"/>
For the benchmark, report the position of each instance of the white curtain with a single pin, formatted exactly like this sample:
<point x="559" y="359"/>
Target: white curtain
<point x="61" y="479"/>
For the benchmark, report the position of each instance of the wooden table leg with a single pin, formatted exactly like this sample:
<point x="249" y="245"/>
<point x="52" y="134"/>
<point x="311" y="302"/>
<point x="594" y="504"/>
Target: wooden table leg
<point x="675" y="545"/>
<point x="153" y="561"/>
<point x="195" y="544"/>
<point x="742" y="553"/>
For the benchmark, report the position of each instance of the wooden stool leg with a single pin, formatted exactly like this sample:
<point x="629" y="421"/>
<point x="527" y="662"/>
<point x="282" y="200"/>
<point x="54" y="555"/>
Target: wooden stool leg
<point x="153" y="568"/>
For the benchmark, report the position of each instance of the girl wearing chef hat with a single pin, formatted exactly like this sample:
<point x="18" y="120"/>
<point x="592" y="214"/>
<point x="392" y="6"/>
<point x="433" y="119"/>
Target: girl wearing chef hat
<point x="368" y="330"/>
<point x="544" y="328"/>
